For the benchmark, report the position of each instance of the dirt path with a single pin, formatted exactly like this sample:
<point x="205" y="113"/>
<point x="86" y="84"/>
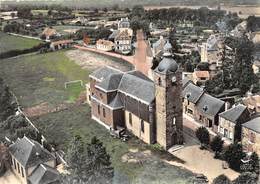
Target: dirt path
<point x="91" y="61"/>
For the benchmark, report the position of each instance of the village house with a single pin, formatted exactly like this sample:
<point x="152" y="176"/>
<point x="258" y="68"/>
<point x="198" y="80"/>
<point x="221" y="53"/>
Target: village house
<point x="104" y="45"/>
<point x="230" y="122"/>
<point x="252" y="103"/>
<point x="207" y="111"/>
<point x="211" y="53"/>
<point x="31" y="162"/>
<point x="123" y="42"/>
<point x="49" y="33"/>
<point x="152" y="111"/>
<point x="61" y="44"/>
<point x="200" y="77"/>
<point x="251" y="135"/>
<point x="191" y="95"/>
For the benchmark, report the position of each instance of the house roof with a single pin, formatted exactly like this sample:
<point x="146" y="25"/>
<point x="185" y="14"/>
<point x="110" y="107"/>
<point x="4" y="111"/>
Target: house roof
<point x="201" y="74"/>
<point x="49" y="31"/>
<point x="105" y="42"/>
<point x="123" y="34"/>
<point x="111" y="82"/>
<point x="44" y="174"/>
<point x="192" y="93"/>
<point x="29" y="152"/>
<point x="234" y="113"/>
<point x="137" y="87"/>
<point x="185" y="82"/>
<point x="253" y="124"/>
<point x="209" y="105"/>
<point x="104" y="72"/>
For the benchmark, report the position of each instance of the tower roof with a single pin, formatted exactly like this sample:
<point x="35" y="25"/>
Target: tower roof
<point x="167" y="65"/>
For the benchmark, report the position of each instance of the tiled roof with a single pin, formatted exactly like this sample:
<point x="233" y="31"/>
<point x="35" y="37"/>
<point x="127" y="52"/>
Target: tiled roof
<point x="105" y="42"/>
<point x="209" y="105"/>
<point x="123" y="34"/>
<point x="44" y="174"/>
<point x="201" y="74"/>
<point x="104" y="72"/>
<point x="138" y="87"/>
<point x="111" y="82"/>
<point x="29" y="153"/>
<point x="49" y="31"/>
<point x="234" y="113"/>
<point x="192" y="93"/>
<point x="253" y="124"/>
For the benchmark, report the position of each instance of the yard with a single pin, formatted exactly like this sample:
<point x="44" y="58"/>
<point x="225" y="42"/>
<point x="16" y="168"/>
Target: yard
<point x="9" y="42"/>
<point x="38" y="80"/>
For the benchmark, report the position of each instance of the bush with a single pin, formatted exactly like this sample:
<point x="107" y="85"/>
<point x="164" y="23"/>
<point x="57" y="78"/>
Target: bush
<point x="203" y="135"/>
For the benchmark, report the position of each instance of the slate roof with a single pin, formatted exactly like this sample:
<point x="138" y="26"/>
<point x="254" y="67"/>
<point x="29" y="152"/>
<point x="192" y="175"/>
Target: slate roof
<point x="116" y="102"/>
<point x="253" y="124"/>
<point x="167" y="65"/>
<point x="44" y="174"/>
<point x="234" y="113"/>
<point x="113" y="34"/>
<point x="111" y="82"/>
<point x="185" y="82"/>
<point x="192" y="93"/>
<point x="136" y="86"/>
<point x="104" y="72"/>
<point x="209" y="105"/>
<point x="29" y="153"/>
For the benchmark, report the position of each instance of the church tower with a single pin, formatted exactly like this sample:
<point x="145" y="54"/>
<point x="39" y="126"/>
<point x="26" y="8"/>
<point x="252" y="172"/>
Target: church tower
<point x="168" y="88"/>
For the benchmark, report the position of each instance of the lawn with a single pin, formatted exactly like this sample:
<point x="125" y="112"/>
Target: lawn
<point x="40" y="78"/>
<point x="9" y="42"/>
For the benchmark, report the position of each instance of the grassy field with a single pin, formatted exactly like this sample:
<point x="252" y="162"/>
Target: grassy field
<point x="40" y="78"/>
<point x="9" y="42"/>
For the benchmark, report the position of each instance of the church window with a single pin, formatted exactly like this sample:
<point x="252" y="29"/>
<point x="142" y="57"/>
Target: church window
<point x="159" y="81"/>
<point x="98" y="109"/>
<point x="142" y="126"/>
<point x="104" y="112"/>
<point x="174" y="121"/>
<point x="130" y="118"/>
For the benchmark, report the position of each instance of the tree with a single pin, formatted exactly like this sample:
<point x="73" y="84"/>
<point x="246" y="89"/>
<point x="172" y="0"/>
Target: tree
<point x="137" y="11"/>
<point x="89" y="165"/>
<point x="216" y="145"/>
<point x="4" y="158"/>
<point x="173" y="41"/>
<point x="221" y="179"/>
<point x="49" y="12"/>
<point x="246" y="178"/>
<point x="203" y="135"/>
<point x="254" y="163"/>
<point x="233" y="155"/>
<point x="8" y="105"/>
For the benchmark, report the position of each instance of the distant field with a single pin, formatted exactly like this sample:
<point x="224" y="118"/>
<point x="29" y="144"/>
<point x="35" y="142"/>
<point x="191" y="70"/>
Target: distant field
<point x="245" y="11"/>
<point x="9" y="42"/>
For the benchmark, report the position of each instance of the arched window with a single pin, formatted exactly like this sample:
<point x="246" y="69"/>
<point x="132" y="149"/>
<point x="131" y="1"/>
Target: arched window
<point x="174" y="121"/>
<point x="142" y="126"/>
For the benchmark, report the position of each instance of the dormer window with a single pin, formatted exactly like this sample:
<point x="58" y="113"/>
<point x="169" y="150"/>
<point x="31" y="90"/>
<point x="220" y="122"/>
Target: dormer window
<point x="205" y="108"/>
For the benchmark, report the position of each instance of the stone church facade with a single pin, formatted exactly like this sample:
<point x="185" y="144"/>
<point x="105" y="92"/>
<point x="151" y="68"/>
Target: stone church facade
<point x="151" y="110"/>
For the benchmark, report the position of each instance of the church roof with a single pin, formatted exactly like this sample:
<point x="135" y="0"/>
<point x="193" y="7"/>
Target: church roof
<point x="167" y="65"/>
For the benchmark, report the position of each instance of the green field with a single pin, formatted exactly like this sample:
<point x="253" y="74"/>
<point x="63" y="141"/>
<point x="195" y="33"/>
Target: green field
<point x="9" y="42"/>
<point x="40" y="78"/>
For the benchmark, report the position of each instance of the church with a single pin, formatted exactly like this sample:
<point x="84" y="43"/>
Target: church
<point x="151" y="110"/>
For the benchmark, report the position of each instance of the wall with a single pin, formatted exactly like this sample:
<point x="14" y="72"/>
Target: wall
<point x="247" y="144"/>
<point x="135" y="128"/>
<point x="229" y="126"/>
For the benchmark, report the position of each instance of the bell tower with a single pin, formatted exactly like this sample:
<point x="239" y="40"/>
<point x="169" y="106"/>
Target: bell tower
<point x="168" y="88"/>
